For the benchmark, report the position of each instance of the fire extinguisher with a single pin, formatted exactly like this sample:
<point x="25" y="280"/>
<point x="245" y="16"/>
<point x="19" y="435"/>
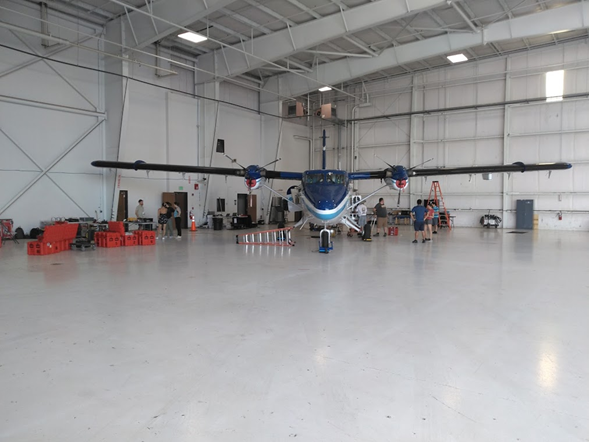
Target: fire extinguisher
<point x="560" y="216"/>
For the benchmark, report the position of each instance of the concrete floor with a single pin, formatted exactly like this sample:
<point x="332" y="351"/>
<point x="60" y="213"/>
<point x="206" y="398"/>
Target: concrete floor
<point x="479" y="336"/>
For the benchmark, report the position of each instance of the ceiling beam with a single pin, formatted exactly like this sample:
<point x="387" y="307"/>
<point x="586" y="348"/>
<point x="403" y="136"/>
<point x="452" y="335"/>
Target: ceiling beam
<point x="155" y="21"/>
<point x="289" y="41"/>
<point x="570" y="17"/>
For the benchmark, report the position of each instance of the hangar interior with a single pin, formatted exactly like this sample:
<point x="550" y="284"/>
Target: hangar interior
<point x="480" y="338"/>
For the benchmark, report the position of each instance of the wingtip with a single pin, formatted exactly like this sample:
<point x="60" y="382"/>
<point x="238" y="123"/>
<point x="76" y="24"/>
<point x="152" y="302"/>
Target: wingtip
<point x="569" y="165"/>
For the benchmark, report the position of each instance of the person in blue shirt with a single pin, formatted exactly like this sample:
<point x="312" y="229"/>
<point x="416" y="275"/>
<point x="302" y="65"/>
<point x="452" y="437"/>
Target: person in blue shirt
<point x="418" y="217"/>
<point x="436" y="222"/>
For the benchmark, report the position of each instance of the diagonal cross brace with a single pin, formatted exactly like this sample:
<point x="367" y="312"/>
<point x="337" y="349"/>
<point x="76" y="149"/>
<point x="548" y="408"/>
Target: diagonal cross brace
<point x="51" y="166"/>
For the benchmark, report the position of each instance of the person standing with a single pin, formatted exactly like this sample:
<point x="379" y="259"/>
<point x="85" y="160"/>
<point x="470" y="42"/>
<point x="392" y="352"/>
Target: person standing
<point x="178" y="219"/>
<point x="162" y="220"/>
<point x="418" y="216"/>
<point x="436" y="217"/>
<point x="381" y="217"/>
<point x="429" y="220"/>
<point x="361" y="210"/>
<point x="170" y="224"/>
<point x="139" y="214"/>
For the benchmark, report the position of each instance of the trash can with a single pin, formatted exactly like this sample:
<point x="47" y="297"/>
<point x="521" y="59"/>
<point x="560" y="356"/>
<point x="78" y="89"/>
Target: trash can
<point x="217" y="223"/>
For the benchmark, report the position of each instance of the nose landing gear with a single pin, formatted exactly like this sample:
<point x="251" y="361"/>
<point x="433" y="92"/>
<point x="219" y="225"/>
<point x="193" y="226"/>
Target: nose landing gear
<point x="325" y="242"/>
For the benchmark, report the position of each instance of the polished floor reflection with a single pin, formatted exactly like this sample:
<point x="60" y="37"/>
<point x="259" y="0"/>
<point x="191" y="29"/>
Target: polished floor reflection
<point x="478" y="336"/>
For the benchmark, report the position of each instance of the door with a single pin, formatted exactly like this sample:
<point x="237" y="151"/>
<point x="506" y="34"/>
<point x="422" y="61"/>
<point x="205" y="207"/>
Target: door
<point x="252" y="207"/>
<point x="524" y="214"/>
<point x="168" y="197"/>
<point x="182" y="199"/>
<point x="122" y="209"/>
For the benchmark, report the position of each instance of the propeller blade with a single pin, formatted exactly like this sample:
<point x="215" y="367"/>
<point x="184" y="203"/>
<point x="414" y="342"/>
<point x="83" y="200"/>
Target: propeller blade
<point x="271" y="162"/>
<point x="426" y="161"/>
<point x="234" y="161"/>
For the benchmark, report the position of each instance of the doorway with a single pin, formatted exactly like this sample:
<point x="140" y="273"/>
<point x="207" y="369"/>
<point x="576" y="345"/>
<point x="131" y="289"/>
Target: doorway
<point x="247" y="205"/>
<point x="122" y="208"/>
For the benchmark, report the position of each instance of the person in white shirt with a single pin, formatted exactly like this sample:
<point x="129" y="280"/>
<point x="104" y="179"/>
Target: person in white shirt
<point x="140" y="214"/>
<point x="361" y="210"/>
<point x="139" y="210"/>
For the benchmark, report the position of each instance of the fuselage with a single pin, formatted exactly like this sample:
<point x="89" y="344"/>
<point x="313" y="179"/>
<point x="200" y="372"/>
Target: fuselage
<point x="325" y="195"/>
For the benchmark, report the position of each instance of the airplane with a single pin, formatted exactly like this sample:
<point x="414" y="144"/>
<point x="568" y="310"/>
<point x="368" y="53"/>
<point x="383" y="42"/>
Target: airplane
<point x="325" y="193"/>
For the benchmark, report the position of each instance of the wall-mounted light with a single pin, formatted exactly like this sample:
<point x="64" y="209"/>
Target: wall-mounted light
<point x="193" y="37"/>
<point x="324" y="89"/>
<point x="457" y="58"/>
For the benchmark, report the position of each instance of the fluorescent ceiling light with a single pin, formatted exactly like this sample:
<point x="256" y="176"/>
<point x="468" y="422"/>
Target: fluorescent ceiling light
<point x="324" y="89"/>
<point x="559" y="32"/>
<point x="193" y="37"/>
<point x="457" y="58"/>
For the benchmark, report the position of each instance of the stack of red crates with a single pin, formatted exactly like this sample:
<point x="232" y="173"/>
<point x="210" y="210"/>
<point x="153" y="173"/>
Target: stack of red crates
<point x="107" y="239"/>
<point x="145" y="237"/>
<point x="55" y="239"/>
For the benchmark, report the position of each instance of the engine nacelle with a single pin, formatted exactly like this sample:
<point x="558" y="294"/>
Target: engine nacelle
<point x="400" y="184"/>
<point x="254" y="183"/>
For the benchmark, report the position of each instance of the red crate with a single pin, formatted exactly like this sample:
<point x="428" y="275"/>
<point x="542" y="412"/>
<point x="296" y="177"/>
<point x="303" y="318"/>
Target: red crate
<point x="129" y="240"/>
<point x="146" y="237"/>
<point x="393" y="231"/>
<point x="38" y="248"/>
<point x="117" y="227"/>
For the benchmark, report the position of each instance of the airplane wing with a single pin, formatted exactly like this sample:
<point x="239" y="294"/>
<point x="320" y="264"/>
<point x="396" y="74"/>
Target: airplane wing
<point x="501" y="168"/>
<point x="142" y="165"/>
<point x="515" y="167"/>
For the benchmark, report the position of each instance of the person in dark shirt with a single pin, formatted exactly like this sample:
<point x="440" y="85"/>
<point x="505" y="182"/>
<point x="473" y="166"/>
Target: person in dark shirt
<point x="381" y="217"/>
<point x="170" y="224"/>
<point x="418" y="217"/>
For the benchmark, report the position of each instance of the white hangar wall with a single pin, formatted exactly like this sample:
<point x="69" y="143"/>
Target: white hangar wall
<point x="533" y="132"/>
<point x="51" y="124"/>
<point x="183" y="126"/>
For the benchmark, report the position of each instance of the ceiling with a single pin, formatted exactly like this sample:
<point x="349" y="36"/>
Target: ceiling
<point x="338" y="42"/>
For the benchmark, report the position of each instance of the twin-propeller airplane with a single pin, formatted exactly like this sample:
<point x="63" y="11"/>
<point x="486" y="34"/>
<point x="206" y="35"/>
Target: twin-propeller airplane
<point x="325" y="193"/>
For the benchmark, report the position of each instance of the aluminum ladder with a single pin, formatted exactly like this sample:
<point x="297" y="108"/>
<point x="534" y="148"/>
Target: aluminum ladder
<point x="275" y="237"/>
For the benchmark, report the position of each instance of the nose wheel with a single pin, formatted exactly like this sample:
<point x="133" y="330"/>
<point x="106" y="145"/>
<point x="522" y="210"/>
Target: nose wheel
<point x="325" y="243"/>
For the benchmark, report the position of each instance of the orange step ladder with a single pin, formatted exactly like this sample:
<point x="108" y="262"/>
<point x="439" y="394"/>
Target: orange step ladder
<point x="437" y="190"/>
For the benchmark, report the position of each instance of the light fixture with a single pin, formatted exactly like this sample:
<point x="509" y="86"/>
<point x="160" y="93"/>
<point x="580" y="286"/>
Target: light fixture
<point x="457" y="58"/>
<point x="324" y="89"/>
<point x="193" y="37"/>
<point x="559" y="32"/>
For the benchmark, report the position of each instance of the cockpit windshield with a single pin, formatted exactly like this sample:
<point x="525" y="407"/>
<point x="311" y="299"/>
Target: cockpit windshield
<point x="324" y="177"/>
<point x="314" y="178"/>
<point x="335" y="178"/>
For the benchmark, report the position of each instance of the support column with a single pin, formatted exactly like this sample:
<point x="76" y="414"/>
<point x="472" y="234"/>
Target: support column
<point x="271" y="140"/>
<point x="506" y="153"/>
<point x="115" y="89"/>
<point x="209" y="115"/>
